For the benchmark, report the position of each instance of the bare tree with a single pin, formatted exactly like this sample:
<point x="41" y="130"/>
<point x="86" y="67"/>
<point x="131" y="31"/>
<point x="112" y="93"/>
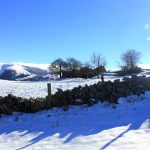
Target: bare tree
<point x="99" y="63"/>
<point x="97" y="60"/>
<point x="57" y="66"/>
<point x="130" y="59"/>
<point x="73" y="64"/>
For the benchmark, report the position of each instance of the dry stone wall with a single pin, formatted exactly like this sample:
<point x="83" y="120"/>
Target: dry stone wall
<point x="102" y="91"/>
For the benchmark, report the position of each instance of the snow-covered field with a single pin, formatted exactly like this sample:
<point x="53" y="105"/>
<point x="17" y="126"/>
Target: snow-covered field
<point x="81" y="128"/>
<point x="39" y="89"/>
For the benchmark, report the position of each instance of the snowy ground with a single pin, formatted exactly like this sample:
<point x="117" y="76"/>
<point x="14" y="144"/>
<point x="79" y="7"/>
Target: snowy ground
<point x="39" y="89"/>
<point x="81" y="128"/>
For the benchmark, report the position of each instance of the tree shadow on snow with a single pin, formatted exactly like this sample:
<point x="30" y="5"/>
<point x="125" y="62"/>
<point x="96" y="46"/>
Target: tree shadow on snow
<point x="72" y="128"/>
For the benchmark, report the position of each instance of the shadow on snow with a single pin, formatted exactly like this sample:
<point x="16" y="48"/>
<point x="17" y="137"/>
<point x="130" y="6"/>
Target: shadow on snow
<point x="75" y="127"/>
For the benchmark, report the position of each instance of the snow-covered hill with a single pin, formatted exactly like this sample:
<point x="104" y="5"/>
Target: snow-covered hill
<point x="39" y="72"/>
<point x="22" y="71"/>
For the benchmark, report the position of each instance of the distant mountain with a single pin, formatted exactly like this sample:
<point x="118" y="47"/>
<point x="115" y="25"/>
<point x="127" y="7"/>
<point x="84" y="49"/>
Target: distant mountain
<point x="24" y="71"/>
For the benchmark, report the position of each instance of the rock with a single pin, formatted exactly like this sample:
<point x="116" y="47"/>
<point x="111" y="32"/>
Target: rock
<point x="117" y="81"/>
<point x="78" y="102"/>
<point x="59" y="90"/>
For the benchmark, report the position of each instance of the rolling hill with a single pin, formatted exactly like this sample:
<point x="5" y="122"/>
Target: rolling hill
<point x="22" y="71"/>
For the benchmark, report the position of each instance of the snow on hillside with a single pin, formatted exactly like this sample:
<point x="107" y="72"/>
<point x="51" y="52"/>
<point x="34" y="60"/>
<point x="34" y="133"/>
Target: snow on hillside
<point x="40" y="66"/>
<point x="37" y="72"/>
<point x="17" y="71"/>
<point x="18" y="68"/>
<point x="81" y="128"/>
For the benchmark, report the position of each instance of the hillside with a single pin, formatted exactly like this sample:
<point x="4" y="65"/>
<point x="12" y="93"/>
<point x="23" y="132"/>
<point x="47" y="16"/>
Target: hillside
<point x="22" y="71"/>
<point x="39" y="72"/>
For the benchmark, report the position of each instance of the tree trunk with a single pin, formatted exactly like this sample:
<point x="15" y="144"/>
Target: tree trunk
<point x="102" y="78"/>
<point x="60" y="71"/>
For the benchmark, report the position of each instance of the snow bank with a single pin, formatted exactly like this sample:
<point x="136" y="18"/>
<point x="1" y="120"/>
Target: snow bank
<point x="80" y="128"/>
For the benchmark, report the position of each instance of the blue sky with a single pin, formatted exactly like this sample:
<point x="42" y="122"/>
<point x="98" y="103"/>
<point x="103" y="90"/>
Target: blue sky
<point x="39" y="31"/>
